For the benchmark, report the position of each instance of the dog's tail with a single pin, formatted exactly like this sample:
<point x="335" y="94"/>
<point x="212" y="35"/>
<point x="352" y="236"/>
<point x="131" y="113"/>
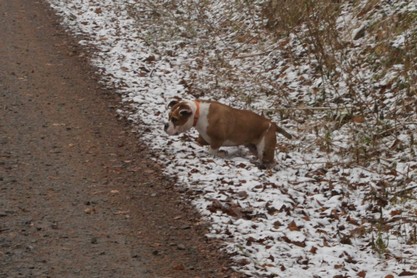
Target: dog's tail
<point x="282" y="131"/>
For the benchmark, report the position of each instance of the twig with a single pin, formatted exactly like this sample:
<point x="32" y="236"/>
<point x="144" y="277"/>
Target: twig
<point x="314" y="108"/>
<point x="404" y="190"/>
<point x="254" y="55"/>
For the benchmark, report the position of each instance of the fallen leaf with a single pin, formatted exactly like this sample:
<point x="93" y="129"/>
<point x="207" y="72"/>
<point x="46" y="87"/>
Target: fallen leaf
<point x="362" y="274"/>
<point x="345" y="240"/>
<point x="407" y="273"/>
<point x="358" y="119"/>
<point x="396" y="212"/>
<point x="243" y="262"/>
<point x="150" y="59"/>
<point x="249" y="241"/>
<point x="277" y="224"/>
<point x="293" y="226"/>
<point x="231" y="208"/>
<point x="297" y="243"/>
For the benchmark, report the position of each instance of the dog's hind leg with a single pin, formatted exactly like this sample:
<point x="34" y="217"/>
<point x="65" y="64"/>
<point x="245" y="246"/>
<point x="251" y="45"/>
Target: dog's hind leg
<point x="266" y="147"/>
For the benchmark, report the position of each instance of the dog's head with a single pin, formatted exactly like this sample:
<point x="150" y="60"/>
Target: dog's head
<point x="180" y="117"/>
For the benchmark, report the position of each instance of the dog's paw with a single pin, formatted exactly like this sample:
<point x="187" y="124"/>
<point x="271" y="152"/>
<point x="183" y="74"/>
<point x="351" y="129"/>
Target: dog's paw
<point x="222" y="153"/>
<point x="267" y="165"/>
<point x="219" y="153"/>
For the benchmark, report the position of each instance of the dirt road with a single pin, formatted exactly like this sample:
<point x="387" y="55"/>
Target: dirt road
<point x="79" y="196"/>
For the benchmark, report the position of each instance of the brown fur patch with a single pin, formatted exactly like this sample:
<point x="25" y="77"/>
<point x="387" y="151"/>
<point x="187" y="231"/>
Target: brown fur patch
<point x="242" y="127"/>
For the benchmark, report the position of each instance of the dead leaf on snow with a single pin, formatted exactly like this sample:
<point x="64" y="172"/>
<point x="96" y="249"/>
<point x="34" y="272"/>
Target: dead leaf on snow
<point x="297" y="243"/>
<point x="277" y="224"/>
<point x="396" y="212"/>
<point x="230" y="208"/>
<point x="338" y="266"/>
<point x="407" y="273"/>
<point x="293" y="226"/>
<point x="358" y="119"/>
<point x="362" y="274"/>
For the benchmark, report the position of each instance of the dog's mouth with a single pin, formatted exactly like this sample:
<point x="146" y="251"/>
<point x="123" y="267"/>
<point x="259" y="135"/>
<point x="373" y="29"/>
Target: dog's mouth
<point x="172" y="134"/>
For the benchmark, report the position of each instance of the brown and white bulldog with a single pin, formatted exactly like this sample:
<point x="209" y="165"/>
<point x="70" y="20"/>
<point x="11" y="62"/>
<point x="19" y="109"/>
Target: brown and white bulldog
<point x="221" y="125"/>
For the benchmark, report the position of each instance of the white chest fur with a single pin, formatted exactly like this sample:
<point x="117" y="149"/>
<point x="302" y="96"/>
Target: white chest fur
<point x="203" y="121"/>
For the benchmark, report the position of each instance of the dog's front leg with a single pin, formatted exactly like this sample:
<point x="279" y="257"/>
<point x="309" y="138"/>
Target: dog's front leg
<point x="214" y="149"/>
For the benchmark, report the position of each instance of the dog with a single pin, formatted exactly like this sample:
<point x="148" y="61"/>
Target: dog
<point x="221" y="125"/>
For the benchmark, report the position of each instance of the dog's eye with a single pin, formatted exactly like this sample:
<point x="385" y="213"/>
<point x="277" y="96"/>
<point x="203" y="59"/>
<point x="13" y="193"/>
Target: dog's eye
<point x="174" y="120"/>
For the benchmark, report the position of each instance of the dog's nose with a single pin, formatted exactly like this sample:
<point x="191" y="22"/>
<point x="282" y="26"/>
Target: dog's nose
<point x="166" y="126"/>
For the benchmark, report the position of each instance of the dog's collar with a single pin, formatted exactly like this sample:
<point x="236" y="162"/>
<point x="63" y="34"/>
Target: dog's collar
<point x="197" y="112"/>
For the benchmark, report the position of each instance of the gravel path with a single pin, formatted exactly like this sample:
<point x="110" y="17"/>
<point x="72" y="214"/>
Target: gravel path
<point x="79" y="196"/>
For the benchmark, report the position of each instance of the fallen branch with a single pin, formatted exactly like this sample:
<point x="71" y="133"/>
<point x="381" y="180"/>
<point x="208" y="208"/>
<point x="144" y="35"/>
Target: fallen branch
<point x="404" y="190"/>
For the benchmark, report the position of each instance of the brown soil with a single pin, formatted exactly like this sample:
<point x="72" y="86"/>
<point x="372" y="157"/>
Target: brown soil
<point x="79" y="196"/>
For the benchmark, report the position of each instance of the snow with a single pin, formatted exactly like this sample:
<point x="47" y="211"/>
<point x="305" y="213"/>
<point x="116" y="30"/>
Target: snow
<point x="317" y="213"/>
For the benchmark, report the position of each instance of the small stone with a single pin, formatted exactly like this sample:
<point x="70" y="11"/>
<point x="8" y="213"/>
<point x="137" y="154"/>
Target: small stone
<point x="178" y="267"/>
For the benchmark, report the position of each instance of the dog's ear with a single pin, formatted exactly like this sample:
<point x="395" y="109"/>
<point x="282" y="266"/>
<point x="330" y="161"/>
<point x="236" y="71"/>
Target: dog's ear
<point x="173" y="101"/>
<point x="186" y="112"/>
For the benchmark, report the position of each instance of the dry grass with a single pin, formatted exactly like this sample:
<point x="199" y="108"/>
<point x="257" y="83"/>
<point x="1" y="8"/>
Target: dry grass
<point x="330" y="49"/>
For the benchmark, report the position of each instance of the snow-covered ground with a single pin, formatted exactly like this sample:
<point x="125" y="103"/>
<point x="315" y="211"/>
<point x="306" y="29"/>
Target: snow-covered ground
<point x="325" y="210"/>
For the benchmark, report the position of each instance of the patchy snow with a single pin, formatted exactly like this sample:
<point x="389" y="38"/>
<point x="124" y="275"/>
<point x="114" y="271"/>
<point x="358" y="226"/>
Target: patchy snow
<point x="324" y="210"/>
